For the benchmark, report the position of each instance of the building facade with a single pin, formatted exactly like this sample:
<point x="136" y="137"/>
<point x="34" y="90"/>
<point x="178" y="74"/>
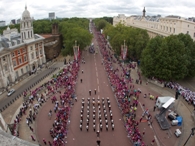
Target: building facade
<point x="157" y="25"/>
<point x="2" y="23"/>
<point x="51" y="16"/>
<point x="52" y="43"/>
<point x="20" y="53"/>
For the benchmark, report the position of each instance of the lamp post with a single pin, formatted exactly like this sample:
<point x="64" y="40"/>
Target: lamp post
<point x="191" y="134"/>
<point x="75" y="49"/>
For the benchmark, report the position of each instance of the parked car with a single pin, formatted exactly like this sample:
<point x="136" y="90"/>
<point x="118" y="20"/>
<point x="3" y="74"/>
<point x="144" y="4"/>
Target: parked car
<point x="10" y="92"/>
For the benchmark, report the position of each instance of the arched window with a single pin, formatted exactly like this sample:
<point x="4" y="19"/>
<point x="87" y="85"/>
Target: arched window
<point x="28" y="34"/>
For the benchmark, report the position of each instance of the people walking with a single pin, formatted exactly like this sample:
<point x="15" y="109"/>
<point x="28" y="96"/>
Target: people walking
<point x="90" y="92"/>
<point x="44" y="141"/>
<point x="33" y="138"/>
<point x="154" y="108"/>
<point x="95" y="91"/>
<point x="81" y="80"/>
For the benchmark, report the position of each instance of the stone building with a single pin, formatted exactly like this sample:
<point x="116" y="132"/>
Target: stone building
<point x="52" y="43"/>
<point x="157" y="25"/>
<point x="20" y="53"/>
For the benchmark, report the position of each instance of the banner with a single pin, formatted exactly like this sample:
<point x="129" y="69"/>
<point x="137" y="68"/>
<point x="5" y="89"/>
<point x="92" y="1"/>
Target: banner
<point x="123" y="52"/>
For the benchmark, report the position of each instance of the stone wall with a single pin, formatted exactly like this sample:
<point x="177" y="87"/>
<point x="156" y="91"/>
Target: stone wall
<point x="9" y="140"/>
<point x="51" y="48"/>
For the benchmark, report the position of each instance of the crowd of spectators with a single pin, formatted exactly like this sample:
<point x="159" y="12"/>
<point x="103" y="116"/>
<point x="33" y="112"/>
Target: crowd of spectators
<point x="126" y="97"/>
<point x="66" y="81"/>
<point x="186" y="93"/>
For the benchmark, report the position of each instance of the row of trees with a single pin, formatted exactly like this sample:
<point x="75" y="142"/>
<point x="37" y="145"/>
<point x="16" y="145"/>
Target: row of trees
<point x="135" y="39"/>
<point x="166" y="58"/>
<point x="170" y="58"/>
<point x="75" y="29"/>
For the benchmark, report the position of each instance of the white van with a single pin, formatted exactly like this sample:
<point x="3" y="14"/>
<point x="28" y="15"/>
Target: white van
<point x="162" y="100"/>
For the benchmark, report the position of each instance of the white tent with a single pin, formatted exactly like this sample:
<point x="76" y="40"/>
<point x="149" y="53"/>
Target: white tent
<point x="162" y="100"/>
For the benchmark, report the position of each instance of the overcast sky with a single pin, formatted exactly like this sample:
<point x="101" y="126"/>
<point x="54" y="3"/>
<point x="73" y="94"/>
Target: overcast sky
<point x="13" y="9"/>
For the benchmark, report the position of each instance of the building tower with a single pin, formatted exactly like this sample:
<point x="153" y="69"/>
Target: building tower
<point x="144" y="12"/>
<point x="26" y="26"/>
<point x="55" y="29"/>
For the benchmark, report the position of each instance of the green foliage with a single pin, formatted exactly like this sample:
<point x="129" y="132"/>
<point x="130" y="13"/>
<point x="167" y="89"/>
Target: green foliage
<point x="42" y="26"/>
<point x="170" y="58"/>
<point x="135" y="39"/>
<point x="75" y="29"/>
<point x="107" y="19"/>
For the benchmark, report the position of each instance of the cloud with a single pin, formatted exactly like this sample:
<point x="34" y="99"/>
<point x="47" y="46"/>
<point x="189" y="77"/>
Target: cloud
<point x="39" y="9"/>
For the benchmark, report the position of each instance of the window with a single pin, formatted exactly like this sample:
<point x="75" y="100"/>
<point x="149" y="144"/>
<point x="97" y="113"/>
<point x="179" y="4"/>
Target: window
<point x="31" y="48"/>
<point x="41" y="51"/>
<point x="18" y="51"/>
<point x="13" y="54"/>
<point x="14" y="63"/>
<point x="187" y="32"/>
<point x="20" y="61"/>
<point x="23" y="50"/>
<point x="173" y="30"/>
<point x="37" y="54"/>
<point x="32" y="55"/>
<point x="188" y="25"/>
<point x="22" y="71"/>
<point x="25" y="59"/>
<point x="170" y="29"/>
<point x="194" y="34"/>
<point x="36" y="45"/>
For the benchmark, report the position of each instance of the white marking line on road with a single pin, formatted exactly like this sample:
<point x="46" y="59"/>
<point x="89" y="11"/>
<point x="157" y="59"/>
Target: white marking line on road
<point x="95" y="63"/>
<point x="143" y="111"/>
<point x="96" y="73"/>
<point x="98" y="89"/>
<point x="97" y="80"/>
<point x="96" y="68"/>
<point x="157" y="142"/>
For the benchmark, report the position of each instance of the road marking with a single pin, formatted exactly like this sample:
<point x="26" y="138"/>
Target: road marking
<point x="98" y="89"/>
<point x="96" y="68"/>
<point x="95" y="63"/>
<point x="97" y="80"/>
<point x="157" y="142"/>
<point x="96" y="73"/>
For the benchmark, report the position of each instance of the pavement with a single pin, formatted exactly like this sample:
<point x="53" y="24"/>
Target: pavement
<point x="95" y="77"/>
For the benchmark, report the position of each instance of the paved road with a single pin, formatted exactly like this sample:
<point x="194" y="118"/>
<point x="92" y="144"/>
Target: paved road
<point x="32" y="81"/>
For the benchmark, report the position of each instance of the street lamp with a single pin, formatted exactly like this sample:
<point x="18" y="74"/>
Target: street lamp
<point x="191" y="134"/>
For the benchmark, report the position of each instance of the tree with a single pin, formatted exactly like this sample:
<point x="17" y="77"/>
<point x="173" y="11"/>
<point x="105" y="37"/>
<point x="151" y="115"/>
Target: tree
<point x="165" y="58"/>
<point x="189" y="46"/>
<point x="101" y="24"/>
<point x="71" y="31"/>
<point x="149" y="56"/>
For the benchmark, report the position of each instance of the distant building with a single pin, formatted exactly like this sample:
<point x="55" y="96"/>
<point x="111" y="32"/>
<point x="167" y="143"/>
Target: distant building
<point x="51" y="16"/>
<point x="2" y="23"/>
<point x="157" y="25"/>
<point x="18" y="21"/>
<point x="13" y="21"/>
<point x="20" y="53"/>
